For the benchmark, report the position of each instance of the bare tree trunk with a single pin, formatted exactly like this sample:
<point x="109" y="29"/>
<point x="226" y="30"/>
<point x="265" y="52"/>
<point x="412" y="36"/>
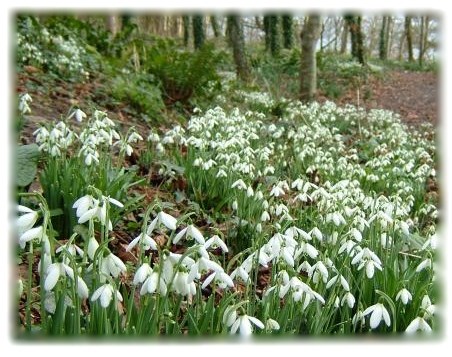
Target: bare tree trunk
<point x="421" y="41"/>
<point x="237" y="42"/>
<point x="409" y="38"/>
<point x="215" y="27"/>
<point x="308" y="67"/>
<point x="113" y="24"/>
<point x="383" y="49"/>
<point x="186" y="25"/>
<point x="344" y="37"/>
<point x="389" y="37"/>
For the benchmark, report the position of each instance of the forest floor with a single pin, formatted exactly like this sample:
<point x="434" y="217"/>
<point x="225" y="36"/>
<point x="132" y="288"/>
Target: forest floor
<point x="413" y="95"/>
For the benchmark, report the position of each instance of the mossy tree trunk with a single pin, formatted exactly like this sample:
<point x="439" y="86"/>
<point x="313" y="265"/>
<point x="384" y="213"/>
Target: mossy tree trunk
<point x="199" y="34"/>
<point x="274" y="35"/>
<point x="237" y="42"/>
<point x="383" y="49"/>
<point x="409" y="38"/>
<point x="287" y="30"/>
<point x="215" y="27"/>
<point x="357" y="37"/>
<point x="186" y="26"/>
<point x="308" y="67"/>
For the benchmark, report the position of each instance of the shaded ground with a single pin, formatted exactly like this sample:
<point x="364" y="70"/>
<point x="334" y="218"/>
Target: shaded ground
<point x="413" y="95"/>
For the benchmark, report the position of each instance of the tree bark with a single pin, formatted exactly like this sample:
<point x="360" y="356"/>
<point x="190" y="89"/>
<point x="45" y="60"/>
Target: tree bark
<point x="274" y="35"/>
<point x="215" y="27"/>
<point x="199" y="34"/>
<point x="237" y="42"/>
<point x="344" y="38"/>
<point x="357" y="37"/>
<point x="308" y="67"/>
<point x="409" y="38"/>
<point x="383" y="49"/>
<point x="287" y="29"/>
<point x="186" y="25"/>
<point x="113" y="24"/>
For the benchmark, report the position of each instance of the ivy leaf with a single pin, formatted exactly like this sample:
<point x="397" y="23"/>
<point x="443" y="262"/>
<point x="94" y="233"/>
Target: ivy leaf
<point x="26" y="161"/>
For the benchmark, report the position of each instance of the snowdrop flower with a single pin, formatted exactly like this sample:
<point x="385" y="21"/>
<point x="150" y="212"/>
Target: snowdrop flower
<point x="146" y="241"/>
<point x="367" y="259"/>
<point x="272" y="325"/>
<point x="427" y="305"/>
<point x="111" y="265"/>
<point x="219" y="276"/>
<point x="57" y="270"/>
<point x="404" y="295"/>
<point x="216" y="242"/>
<point x="277" y="191"/>
<point x="427" y="263"/>
<point x="243" y="324"/>
<point x="92" y="247"/>
<point x="105" y="293"/>
<point x="190" y="231"/>
<point x="349" y="299"/>
<point x="165" y="218"/>
<point x="182" y="286"/>
<point x="26" y="221"/>
<point x="153" y="283"/>
<point x="239" y="184"/>
<point x="31" y="234"/>
<point x="90" y="208"/>
<point x="418" y="324"/>
<point x="23" y="103"/>
<point x="142" y="273"/>
<point x="78" y="114"/>
<point x="343" y="281"/>
<point x="378" y="313"/>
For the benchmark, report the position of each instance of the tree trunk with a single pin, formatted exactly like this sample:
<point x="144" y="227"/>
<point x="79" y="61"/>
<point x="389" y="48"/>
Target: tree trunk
<point x="215" y="27"/>
<point x="186" y="25"/>
<point x="308" y="68"/>
<point x="354" y="24"/>
<point x="267" y="32"/>
<point x="287" y="28"/>
<point x="389" y="36"/>
<point x="409" y="38"/>
<point x="113" y="24"/>
<point x="344" y="38"/>
<point x="274" y="35"/>
<point x="199" y="34"/>
<point x="421" y="41"/>
<point x="383" y="49"/>
<point x="237" y="42"/>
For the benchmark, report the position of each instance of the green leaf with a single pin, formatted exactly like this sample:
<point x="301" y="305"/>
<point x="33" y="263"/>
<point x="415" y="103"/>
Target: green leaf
<point x="26" y="160"/>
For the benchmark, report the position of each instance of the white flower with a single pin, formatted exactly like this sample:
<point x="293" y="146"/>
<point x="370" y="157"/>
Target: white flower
<point x="426" y="263"/>
<point x="27" y="220"/>
<point x="145" y="240"/>
<point x="243" y="324"/>
<point x="214" y="242"/>
<point x="33" y="233"/>
<point x="418" y="324"/>
<point x="349" y="299"/>
<point x="92" y="247"/>
<point x="105" y="293"/>
<point x="112" y="265"/>
<point x="152" y="283"/>
<point x="404" y="295"/>
<point x="378" y="313"/>
<point x="142" y="273"/>
<point x="78" y="114"/>
<point x="165" y="218"/>
<point x="272" y="325"/>
<point x="190" y="231"/>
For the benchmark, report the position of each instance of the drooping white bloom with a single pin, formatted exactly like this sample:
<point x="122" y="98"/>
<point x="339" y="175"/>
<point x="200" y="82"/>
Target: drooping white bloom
<point x="190" y="231"/>
<point x="404" y="295"/>
<point x="27" y="220"/>
<point x="272" y="324"/>
<point x="418" y="324"/>
<point x="92" y="247"/>
<point x="153" y="283"/>
<point x="378" y="313"/>
<point x="105" y="293"/>
<point x="111" y="265"/>
<point x="426" y="263"/>
<point x="78" y="114"/>
<point x="31" y="234"/>
<point x="243" y="324"/>
<point x="146" y="241"/>
<point x="216" y="242"/>
<point x="349" y="299"/>
<point x="142" y="273"/>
